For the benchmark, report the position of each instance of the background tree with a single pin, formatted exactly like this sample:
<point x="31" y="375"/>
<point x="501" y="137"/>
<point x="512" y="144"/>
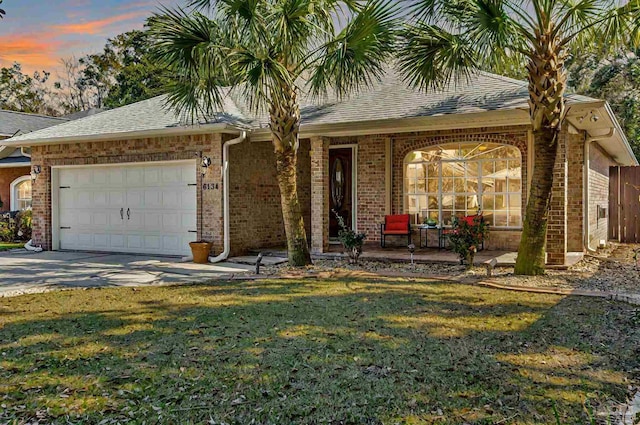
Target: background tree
<point x="616" y="78"/>
<point x="264" y="49"/>
<point x="450" y="40"/>
<point x="25" y="93"/>
<point x="122" y="73"/>
<point x="2" y="12"/>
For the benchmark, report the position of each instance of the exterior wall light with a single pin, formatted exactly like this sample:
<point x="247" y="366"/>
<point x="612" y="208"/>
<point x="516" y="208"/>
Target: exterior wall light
<point x="35" y="170"/>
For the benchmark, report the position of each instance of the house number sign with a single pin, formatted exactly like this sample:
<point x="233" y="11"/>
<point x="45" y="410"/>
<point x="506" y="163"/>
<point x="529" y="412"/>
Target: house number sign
<point x="210" y="186"/>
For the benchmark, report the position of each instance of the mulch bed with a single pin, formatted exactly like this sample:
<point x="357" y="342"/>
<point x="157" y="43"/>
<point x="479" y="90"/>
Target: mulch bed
<point x="612" y="269"/>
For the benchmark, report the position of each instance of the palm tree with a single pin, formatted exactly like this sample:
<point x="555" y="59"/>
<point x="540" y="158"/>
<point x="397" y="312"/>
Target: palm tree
<point x="264" y="51"/>
<point x="449" y="40"/>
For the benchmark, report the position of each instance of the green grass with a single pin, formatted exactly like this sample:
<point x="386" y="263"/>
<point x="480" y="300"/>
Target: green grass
<point x="5" y="246"/>
<point x="337" y="352"/>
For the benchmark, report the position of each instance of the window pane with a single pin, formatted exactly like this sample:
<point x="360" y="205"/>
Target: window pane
<point x="432" y="202"/>
<point x="446" y="217"/>
<point x="24" y="190"/>
<point x="515" y="202"/>
<point x="458" y="184"/>
<point x="514" y="219"/>
<point x="432" y="185"/>
<point x="500" y="218"/>
<point x="422" y="186"/>
<point x="515" y="185"/>
<point x="488" y="202"/>
<point x="460" y="203"/>
<point x="447" y="184"/>
<point x="411" y="186"/>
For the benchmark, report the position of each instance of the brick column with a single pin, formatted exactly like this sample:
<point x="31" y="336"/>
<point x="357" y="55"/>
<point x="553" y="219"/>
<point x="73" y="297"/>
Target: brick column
<point x="575" y="192"/>
<point x="319" y="194"/>
<point x="557" y="223"/>
<point x="41" y="200"/>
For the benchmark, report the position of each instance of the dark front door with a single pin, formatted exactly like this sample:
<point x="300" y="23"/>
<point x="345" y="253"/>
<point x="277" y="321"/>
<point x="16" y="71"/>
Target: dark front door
<point x="340" y="188"/>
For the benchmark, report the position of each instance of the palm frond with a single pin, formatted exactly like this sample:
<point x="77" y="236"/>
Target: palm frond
<point x="432" y="57"/>
<point x="190" y="46"/>
<point x="357" y="55"/>
<point x="573" y="14"/>
<point x="261" y="76"/>
<point x="496" y="34"/>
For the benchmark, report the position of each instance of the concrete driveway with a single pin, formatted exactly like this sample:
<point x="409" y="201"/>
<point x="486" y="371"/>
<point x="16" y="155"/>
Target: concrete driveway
<point x="26" y="272"/>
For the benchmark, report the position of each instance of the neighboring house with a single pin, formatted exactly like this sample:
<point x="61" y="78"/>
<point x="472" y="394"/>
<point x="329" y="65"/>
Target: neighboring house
<point x="129" y="179"/>
<point x="15" y="180"/>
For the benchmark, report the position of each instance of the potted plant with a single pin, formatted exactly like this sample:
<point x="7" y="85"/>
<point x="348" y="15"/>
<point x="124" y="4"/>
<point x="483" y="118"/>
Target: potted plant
<point x="351" y="241"/>
<point x="466" y="236"/>
<point x="430" y="222"/>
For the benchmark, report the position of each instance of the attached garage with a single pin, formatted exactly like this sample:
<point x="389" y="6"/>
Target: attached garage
<point x="148" y="208"/>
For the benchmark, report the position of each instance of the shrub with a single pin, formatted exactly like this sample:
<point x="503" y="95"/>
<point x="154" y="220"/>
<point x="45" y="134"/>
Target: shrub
<point x="350" y="240"/>
<point x="465" y="238"/>
<point x="15" y="226"/>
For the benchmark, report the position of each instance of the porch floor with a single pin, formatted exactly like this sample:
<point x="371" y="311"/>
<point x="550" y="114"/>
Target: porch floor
<point x="399" y="254"/>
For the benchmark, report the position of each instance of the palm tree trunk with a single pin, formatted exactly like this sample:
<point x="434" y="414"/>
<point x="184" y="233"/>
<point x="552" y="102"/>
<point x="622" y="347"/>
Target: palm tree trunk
<point x="531" y="253"/>
<point x="547" y="83"/>
<point x="298" y="249"/>
<point x="285" y="123"/>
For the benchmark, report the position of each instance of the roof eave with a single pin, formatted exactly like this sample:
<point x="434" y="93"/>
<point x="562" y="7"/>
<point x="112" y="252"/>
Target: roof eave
<point x="619" y="134"/>
<point x="496" y="118"/>
<point x="160" y="132"/>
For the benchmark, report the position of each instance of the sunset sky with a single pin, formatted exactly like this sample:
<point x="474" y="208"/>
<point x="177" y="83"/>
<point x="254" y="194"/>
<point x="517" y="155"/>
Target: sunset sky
<point x="38" y="33"/>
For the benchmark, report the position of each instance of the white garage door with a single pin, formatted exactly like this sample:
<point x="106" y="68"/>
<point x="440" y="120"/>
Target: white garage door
<point x="148" y="209"/>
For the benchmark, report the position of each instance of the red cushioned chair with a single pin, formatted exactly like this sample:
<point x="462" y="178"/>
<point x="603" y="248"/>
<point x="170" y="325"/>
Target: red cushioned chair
<point x="395" y="225"/>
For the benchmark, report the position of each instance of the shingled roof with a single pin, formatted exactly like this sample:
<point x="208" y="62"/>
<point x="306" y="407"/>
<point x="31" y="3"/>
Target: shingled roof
<point x="388" y="98"/>
<point x="12" y="122"/>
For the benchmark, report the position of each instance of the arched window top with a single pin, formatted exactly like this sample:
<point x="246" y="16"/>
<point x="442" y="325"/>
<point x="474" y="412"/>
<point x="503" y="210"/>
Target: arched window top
<point x="463" y="152"/>
<point x="21" y="193"/>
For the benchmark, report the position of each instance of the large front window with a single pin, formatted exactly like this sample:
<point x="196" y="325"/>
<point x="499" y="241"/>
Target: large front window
<point x="445" y="181"/>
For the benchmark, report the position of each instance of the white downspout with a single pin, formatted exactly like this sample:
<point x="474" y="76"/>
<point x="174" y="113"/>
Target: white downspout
<point x="24" y="153"/>
<point x="225" y="193"/>
<point x="587" y="166"/>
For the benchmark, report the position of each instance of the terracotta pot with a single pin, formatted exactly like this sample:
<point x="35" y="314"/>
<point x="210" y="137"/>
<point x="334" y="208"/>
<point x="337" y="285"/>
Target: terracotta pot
<point x="200" y="251"/>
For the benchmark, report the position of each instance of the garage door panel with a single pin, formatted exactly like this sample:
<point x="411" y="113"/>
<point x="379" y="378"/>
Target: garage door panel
<point x="162" y="208"/>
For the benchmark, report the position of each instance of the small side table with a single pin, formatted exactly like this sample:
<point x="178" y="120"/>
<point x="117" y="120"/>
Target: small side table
<point x="424" y="230"/>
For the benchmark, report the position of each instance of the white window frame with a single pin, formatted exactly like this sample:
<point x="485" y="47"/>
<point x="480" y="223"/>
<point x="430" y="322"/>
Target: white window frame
<point x="14" y="194"/>
<point x="406" y="194"/>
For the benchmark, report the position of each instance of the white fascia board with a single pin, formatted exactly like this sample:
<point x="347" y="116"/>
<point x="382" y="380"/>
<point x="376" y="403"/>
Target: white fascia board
<point x="161" y="132"/>
<point x="15" y="165"/>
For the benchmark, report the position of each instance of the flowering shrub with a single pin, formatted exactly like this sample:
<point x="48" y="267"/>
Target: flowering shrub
<point x="350" y="240"/>
<point x="466" y="238"/>
<point x="15" y="226"/>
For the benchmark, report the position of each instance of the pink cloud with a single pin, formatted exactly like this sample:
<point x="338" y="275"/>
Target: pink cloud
<point x="30" y="50"/>
<point x="97" y="26"/>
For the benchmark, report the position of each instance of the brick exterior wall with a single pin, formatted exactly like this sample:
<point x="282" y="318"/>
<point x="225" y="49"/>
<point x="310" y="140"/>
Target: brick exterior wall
<point x="7" y="176"/>
<point x="319" y="194"/>
<point x="575" y="191"/>
<point x="599" y="163"/>
<point x="557" y="219"/>
<point x="131" y="151"/>
<point x="255" y="209"/>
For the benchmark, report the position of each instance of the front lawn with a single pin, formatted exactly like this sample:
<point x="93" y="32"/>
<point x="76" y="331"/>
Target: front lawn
<point x="5" y="246"/>
<point x="312" y="351"/>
